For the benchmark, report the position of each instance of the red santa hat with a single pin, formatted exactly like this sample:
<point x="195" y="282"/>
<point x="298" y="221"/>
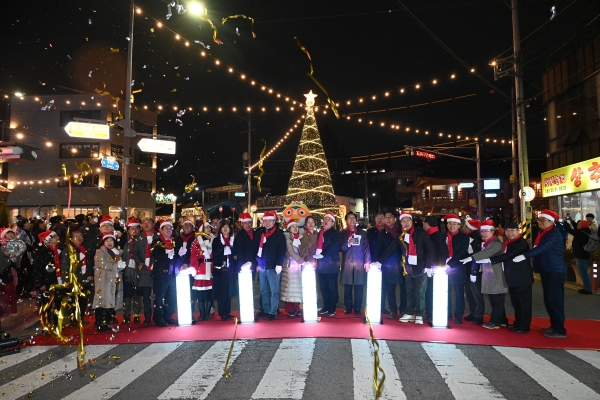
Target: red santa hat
<point x="106" y="220"/>
<point x="4" y="231"/>
<point x="45" y="237"/>
<point x="290" y="223"/>
<point x="187" y="221"/>
<point x="245" y="217"/>
<point x="165" y="223"/>
<point x="405" y="214"/>
<point x="269" y="215"/>
<point x="329" y="215"/>
<point x="487" y="225"/>
<point x="452" y="218"/>
<point x="549" y="215"/>
<point x="472" y="224"/>
<point x="108" y="235"/>
<point x="133" y="221"/>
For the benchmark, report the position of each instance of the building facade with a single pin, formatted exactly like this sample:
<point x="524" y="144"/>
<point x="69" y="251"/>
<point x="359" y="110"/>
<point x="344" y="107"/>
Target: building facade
<point x="40" y="188"/>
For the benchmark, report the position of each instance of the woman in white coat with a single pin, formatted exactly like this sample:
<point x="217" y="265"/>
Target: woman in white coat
<point x="107" y="267"/>
<point x="291" y="274"/>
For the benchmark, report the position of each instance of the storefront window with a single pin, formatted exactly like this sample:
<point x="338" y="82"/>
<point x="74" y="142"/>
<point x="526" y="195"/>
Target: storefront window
<point x="579" y="204"/>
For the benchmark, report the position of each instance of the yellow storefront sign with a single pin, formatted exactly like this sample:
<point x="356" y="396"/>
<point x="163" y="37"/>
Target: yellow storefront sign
<point x="575" y="178"/>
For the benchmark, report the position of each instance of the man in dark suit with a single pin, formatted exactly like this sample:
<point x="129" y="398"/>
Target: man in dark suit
<point x="372" y="238"/>
<point x="163" y="276"/>
<point x="388" y="255"/>
<point x="458" y="249"/>
<point x="436" y="256"/>
<point x="473" y="289"/>
<point x="328" y="264"/>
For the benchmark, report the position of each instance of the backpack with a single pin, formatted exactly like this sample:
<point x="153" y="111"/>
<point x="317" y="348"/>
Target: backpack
<point x="593" y="243"/>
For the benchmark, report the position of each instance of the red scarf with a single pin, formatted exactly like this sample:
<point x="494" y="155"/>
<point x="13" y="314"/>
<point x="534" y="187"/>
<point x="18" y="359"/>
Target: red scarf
<point x="308" y="231"/>
<point x="432" y="230"/>
<point x="169" y="245"/>
<point x="351" y="231"/>
<point x="187" y="237"/>
<point x="320" y="241"/>
<point x="263" y="238"/>
<point x="508" y="241"/>
<point x="541" y="234"/>
<point x="378" y="228"/>
<point x="487" y="242"/>
<point x="148" y="244"/>
<point x="449" y="237"/>
<point x="250" y="233"/>
<point x="412" y="249"/>
<point x="56" y="259"/>
<point x="393" y="230"/>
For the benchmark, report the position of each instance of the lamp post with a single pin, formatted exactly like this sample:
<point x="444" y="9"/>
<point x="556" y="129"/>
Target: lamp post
<point x="127" y="131"/>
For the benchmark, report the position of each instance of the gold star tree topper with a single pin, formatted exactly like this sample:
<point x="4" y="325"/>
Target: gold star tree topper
<point x="310" y="98"/>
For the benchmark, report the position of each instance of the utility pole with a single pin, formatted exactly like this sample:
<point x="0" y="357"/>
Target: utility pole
<point x="514" y="180"/>
<point x="127" y="131"/>
<point x="481" y="213"/>
<point x="249" y="166"/>
<point x="366" y="194"/>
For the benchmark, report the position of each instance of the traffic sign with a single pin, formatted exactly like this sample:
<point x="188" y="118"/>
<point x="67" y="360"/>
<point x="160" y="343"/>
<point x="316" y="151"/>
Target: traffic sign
<point x="157" y="146"/>
<point x="527" y="193"/>
<point x="110" y="164"/>
<point x="88" y="131"/>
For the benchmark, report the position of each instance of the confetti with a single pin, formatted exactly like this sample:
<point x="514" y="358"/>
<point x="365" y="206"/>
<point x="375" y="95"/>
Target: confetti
<point x="181" y="113"/>
<point x="90" y="74"/>
<point x="176" y="67"/>
<point x="48" y="106"/>
<point x="553" y="11"/>
<point x="69" y="57"/>
<point x="89" y="21"/>
<point x="114" y="50"/>
<point x="144" y="66"/>
<point x="178" y="122"/>
<point x="187" y="78"/>
<point x="92" y="376"/>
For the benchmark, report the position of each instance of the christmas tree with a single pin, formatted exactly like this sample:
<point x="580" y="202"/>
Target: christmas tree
<point x="311" y="180"/>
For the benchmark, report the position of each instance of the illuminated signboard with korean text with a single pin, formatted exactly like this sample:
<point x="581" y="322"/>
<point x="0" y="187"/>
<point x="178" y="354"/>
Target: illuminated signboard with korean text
<point x="575" y="178"/>
<point x="425" y="154"/>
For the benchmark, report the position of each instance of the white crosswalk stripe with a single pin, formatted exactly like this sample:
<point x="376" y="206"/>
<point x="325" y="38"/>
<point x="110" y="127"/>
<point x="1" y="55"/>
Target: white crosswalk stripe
<point x="461" y="376"/>
<point x="25" y="354"/>
<point x="362" y="360"/>
<point x="209" y="367"/>
<point x="549" y="376"/>
<point x="41" y="376"/>
<point x="107" y="385"/>
<point x="287" y="372"/>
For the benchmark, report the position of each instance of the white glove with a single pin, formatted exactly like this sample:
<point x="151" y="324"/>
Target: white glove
<point x="466" y="260"/>
<point x="473" y="278"/>
<point x="318" y="256"/>
<point x="121" y="264"/>
<point x="131" y="263"/>
<point x="429" y="272"/>
<point x="81" y="256"/>
<point x="170" y="254"/>
<point x="147" y="262"/>
<point x="50" y="268"/>
<point x="278" y="269"/>
<point x="375" y="265"/>
<point x="306" y="264"/>
<point x="484" y="261"/>
<point x="83" y="269"/>
<point x="59" y="281"/>
<point x="182" y="251"/>
<point x="191" y="271"/>
<point x="246" y="266"/>
<point x="447" y="269"/>
<point x="519" y="258"/>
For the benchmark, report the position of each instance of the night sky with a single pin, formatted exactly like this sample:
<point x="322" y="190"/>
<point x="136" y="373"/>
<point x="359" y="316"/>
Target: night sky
<point x="359" y="49"/>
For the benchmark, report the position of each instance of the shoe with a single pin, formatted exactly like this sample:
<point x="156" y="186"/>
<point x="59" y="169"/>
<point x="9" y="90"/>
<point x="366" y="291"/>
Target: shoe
<point x="126" y="321"/>
<point x="347" y="311"/>
<point x="19" y="301"/>
<point x="104" y="328"/>
<point x="261" y="314"/>
<point x="491" y="325"/>
<point x="169" y="16"/>
<point x="509" y="326"/>
<point x="171" y="321"/>
<point x="392" y="315"/>
<point x="136" y="320"/>
<point x="331" y="314"/>
<point x="230" y="316"/>
<point x="458" y="321"/>
<point x="469" y="317"/>
<point x="419" y="320"/>
<point x="224" y="318"/>
<point x="357" y="312"/>
<point x="581" y="291"/>
<point x="555" y="335"/>
<point x="299" y="313"/>
<point x="159" y="322"/>
<point x="477" y="321"/>
<point x="323" y="311"/>
<point x="291" y="314"/>
<point x="520" y="330"/>
<point x="408" y="318"/>
<point x="384" y="311"/>
<point x="547" y="330"/>
<point x="271" y="317"/>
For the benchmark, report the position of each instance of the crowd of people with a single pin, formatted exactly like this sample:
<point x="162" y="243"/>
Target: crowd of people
<point x="131" y="267"/>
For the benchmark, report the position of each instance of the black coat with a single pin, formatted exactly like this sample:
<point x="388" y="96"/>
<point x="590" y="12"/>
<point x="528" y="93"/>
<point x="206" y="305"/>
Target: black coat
<point x="330" y="263"/>
<point x="475" y="242"/>
<point x="185" y="259"/>
<point x="580" y="239"/>
<point x="85" y="279"/>
<point x="388" y="254"/>
<point x="245" y="249"/>
<point x="220" y="274"/>
<point x="163" y="268"/>
<point x="460" y="250"/>
<point x="422" y="246"/>
<point x="372" y="238"/>
<point x="273" y="252"/>
<point x="438" y="250"/>
<point x="520" y="273"/>
<point x="43" y="256"/>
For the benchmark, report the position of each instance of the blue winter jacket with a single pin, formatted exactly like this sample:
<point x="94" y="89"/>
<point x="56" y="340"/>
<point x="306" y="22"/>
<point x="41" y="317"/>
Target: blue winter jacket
<point x="549" y="255"/>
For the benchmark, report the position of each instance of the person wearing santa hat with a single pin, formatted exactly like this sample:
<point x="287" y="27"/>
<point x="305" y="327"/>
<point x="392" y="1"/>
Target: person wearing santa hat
<point x="291" y="274"/>
<point x="269" y="258"/>
<point x="435" y="257"/>
<point x="246" y="243"/>
<point x="548" y="259"/>
<point x="493" y="281"/>
<point x="458" y="248"/>
<point x="46" y="258"/>
<point x="328" y="263"/>
<point x="201" y="262"/>
<point x="473" y="289"/>
<point x="132" y="302"/>
<point x="356" y="260"/>
<point x="183" y="250"/>
<point x="162" y="263"/>
<point x="223" y="269"/>
<point x="142" y="253"/>
<point x="107" y="299"/>
<point x="373" y="238"/>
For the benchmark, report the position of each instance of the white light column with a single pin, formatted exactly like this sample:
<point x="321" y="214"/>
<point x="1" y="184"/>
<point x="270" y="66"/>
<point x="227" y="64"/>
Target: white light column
<point x="184" y="302"/>
<point x="373" y="306"/>
<point x="309" y="293"/>
<point x="440" y="298"/>
<point x="246" y="295"/>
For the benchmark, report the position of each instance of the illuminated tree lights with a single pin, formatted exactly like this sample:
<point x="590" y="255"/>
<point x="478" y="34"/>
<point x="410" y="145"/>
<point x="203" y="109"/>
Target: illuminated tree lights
<point x="311" y="179"/>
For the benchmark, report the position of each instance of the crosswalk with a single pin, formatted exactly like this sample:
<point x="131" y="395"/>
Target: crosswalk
<point x="304" y="368"/>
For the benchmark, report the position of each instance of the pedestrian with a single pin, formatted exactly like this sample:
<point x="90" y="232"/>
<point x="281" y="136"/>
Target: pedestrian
<point x="201" y="261"/>
<point x="581" y="235"/>
<point x="46" y="259"/>
<point x="591" y="219"/>
<point x="388" y="255"/>
<point x="183" y="250"/>
<point x="291" y="273"/>
<point x="163" y="275"/>
<point x="548" y="260"/>
<point x="269" y="258"/>
<point x="373" y="238"/>
<point x="436" y="256"/>
<point x="328" y="264"/>
<point x="107" y="298"/>
<point x="414" y="248"/>
<point x="457" y="243"/>
<point x="224" y="267"/>
<point x="493" y="282"/>
<point x="143" y="254"/>
<point x="356" y="260"/>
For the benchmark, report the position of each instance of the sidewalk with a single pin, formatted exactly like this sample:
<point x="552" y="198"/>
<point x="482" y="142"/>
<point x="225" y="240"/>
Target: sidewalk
<point x="26" y="316"/>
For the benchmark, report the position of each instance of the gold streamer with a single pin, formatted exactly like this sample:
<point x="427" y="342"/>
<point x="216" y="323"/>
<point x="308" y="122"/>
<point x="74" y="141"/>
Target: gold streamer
<point x="84" y="169"/>
<point x="116" y="99"/>
<point x="404" y="271"/>
<point x="311" y="76"/>
<point x="190" y="186"/>
<point x="260" y="166"/>
<point x="212" y="26"/>
<point x="376" y="362"/>
<point x="241" y="16"/>
<point x="227" y="374"/>
<point x="204" y="235"/>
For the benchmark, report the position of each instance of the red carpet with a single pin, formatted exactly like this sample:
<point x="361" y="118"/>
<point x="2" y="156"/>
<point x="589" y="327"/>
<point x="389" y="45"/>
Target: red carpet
<point x="582" y="334"/>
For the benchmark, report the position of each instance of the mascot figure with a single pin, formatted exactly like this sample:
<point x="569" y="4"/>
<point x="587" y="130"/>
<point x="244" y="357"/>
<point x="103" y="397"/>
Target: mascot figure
<point x="296" y="211"/>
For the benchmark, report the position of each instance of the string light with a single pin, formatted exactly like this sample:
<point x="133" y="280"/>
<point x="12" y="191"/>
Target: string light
<point x="286" y="135"/>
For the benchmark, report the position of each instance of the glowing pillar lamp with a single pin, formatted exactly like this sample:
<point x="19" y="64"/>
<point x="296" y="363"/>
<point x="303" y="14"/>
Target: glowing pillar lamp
<point x="184" y="302"/>
<point x="440" y="298"/>
<point x="309" y="293"/>
<point x="373" y="307"/>
<point x="246" y="297"/>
